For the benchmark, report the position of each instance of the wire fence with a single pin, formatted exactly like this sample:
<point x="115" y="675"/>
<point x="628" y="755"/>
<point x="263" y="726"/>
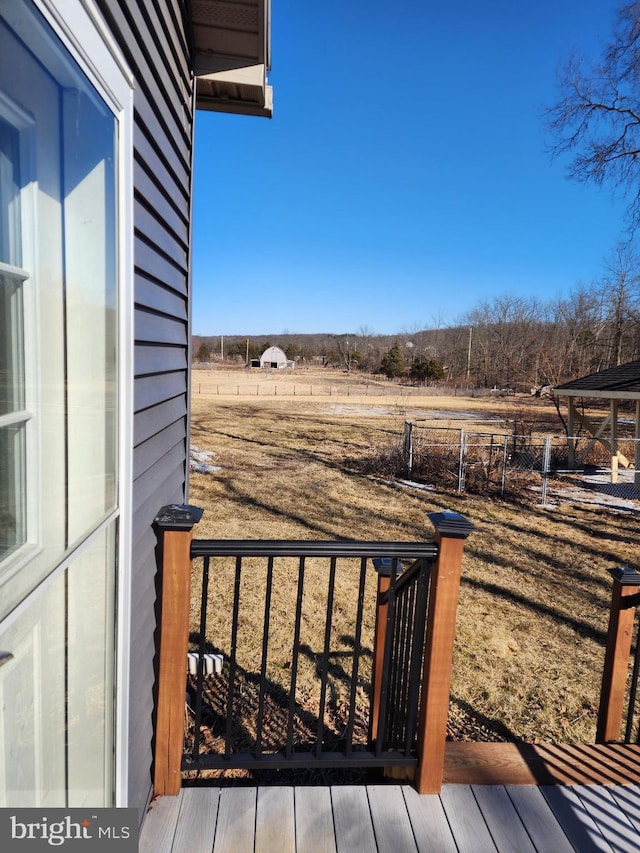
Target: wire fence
<point x="556" y="467"/>
<point x="283" y="387"/>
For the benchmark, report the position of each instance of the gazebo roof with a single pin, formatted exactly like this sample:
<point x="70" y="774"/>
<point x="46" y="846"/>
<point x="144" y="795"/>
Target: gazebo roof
<point x="621" y="382"/>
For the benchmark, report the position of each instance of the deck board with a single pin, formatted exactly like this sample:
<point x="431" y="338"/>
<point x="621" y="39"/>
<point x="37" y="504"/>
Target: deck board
<point x="196" y="826"/>
<point x="574" y="818"/>
<point x="352" y="820"/>
<point x="159" y="827"/>
<point x="236" y="825"/>
<point x="628" y="799"/>
<point x="541" y="764"/>
<point x="275" y="821"/>
<point x="612" y="822"/>
<point x="314" y="820"/>
<point x="502" y="819"/>
<point x="535" y="813"/>
<point x="429" y="821"/>
<point x="391" y="823"/>
<point x="592" y="764"/>
<point x="465" y="818"/>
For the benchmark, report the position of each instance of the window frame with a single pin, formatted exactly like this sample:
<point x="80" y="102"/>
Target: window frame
<point x="24" y="125"/>
<point x="20" y="417"/>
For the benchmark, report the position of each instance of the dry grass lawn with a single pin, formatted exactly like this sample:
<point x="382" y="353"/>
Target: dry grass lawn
<point x="535" y="592"/>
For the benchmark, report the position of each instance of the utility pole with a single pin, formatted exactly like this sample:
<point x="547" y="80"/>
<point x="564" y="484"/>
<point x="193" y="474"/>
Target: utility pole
<point x="247" y="359"/>
<point x="469" y="354"/>
<point x="221" y="347"/>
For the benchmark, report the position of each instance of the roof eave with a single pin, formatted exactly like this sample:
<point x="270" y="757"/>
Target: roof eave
<point x="602" y="395"/>
<point x="232" y="47"/>
<point x="244" y="91"/>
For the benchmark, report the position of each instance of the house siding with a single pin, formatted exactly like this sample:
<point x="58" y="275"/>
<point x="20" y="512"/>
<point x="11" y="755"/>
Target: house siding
<point x="154" y="41"/>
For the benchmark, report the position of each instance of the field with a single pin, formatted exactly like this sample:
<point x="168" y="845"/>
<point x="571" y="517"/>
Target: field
<point x="535" y="591"/>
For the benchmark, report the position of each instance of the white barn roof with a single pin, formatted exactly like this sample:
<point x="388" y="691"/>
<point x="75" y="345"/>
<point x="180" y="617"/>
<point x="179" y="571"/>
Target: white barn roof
<point x="273" y="355"/>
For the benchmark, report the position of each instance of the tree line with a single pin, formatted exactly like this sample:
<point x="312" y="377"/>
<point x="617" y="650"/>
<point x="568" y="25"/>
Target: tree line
<point x="506" y="341"/>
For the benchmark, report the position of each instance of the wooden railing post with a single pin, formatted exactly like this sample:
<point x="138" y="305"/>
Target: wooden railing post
<point x="452" y="530"/>
<point x="176" y="524"/>
<point x="626" y="583"/>
<point x="382" y="566"/>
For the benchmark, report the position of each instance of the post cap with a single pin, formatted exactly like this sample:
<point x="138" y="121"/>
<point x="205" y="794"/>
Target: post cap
<point x="451" y="524"/>
<point x="178" y="517"/>
<point x="382" y="565"/>
<point x="625" y="575"/>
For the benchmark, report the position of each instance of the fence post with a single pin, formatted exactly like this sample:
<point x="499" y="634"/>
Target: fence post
<point x="461" y="461"/>
<point x="175" y="524"/>
<point x="546" y="467"/>
<point x="382" y="566"/>
<point x="626" y="583"/>
<point x="504" y="465"/>
<point x="408" y="445"/>
<point x="452" y="531"/>
<point x="636" y="446"/>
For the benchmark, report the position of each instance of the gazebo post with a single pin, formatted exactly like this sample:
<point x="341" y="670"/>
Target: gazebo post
<point x="572" y="432"/>
<point x="636" y="452"/>
<point x="614" y="441"/>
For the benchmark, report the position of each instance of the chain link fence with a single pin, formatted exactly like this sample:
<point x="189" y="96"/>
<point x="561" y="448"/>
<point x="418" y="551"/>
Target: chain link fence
<point x="555" y="467"/>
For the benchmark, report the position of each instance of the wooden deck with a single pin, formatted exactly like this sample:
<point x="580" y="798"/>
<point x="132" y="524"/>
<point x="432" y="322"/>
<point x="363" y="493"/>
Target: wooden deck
<point x="497" y="797"/>
<point x="395" y="819"/>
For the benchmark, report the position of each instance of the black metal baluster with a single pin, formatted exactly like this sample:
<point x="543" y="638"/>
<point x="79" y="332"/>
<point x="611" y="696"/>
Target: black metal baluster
<point x="265" y="651"/>
<point x="357" y="650"/>
<point x="325" y="658"/>
<point x="201" y="647"/>
<point x="403" y="630"/>
<point x="232" y="659"/>
<point x="294" y="658"/>
<point x="400" y="662"/>
<point x="394" y="674"/>
<point x="415" y="677"/>
<point x="399" y="620"/>
<point x="408" y="641"/>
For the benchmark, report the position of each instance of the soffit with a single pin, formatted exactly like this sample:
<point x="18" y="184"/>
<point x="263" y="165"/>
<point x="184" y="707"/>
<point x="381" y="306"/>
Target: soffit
<point x="231" y="41"/>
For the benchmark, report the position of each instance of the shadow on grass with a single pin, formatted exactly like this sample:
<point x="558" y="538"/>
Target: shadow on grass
<point x="477" y="726"/>
<point x="336" y="518"/>
<point x="582" y="628"/>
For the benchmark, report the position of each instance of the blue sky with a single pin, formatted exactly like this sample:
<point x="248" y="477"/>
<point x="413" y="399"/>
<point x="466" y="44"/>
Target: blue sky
<point x="405" y="174"/>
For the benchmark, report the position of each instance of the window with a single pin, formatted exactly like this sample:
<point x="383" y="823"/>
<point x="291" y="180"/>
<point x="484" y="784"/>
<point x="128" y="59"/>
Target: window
<point x="58" y="306"/>
<point x="12" y="380"/>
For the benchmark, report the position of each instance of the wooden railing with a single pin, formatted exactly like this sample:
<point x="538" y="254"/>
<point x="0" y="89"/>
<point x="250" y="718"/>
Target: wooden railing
<point x="412" y="656"/>
<point x="618" y="692"/>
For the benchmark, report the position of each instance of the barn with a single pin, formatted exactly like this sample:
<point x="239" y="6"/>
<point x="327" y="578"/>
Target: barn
<point x="275" y="357"/>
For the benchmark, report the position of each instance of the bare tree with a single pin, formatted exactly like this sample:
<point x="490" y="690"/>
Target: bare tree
<point x="506" y="334"/>
<point x="620" y="290"/>
<point x="365" y="335"/>
<point x="597" y="120"/>
<point x="346" y="354"/>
